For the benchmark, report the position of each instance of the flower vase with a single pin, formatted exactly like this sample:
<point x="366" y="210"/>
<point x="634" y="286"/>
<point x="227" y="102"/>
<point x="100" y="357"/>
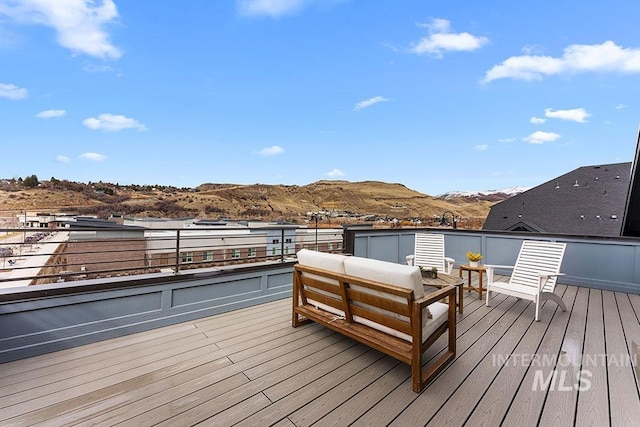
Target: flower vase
<point x="473" y="263"/>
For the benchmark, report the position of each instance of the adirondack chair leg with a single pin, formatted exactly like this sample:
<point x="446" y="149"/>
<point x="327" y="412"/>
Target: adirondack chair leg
<point x="537" y="310"/>
<point x="554" y="297"/>
<point x="488" y="302"/>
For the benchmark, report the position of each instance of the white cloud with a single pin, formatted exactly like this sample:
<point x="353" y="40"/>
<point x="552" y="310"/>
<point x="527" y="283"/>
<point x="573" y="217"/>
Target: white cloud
<point x="540" y="137"/>
<point x="93" y="157"/>
<point x="93" y="68"/>
<point x="537" y="120"/>
<point x="369" y="102"/>
<point x="604" y="58"/>
<point x="575" y="115"/>
<point x="273" y="8"/>
<point x="441" y="40"/>
<point x="47" y="114"/>
<point x="62" y="159"/>
<point x="10" y="91"/>
<point x="112" y="123"/>
<point x="481" y="147"/>
<point x="506" y="140"/>
<point x="271" y="151"/>
<point x="335" y="173"/>
<point x="620" y="107"/>
<point x="79" y="24"/>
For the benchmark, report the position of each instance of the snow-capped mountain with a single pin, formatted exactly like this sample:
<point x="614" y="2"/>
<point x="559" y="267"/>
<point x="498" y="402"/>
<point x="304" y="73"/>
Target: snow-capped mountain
<point x="488" y="194"/>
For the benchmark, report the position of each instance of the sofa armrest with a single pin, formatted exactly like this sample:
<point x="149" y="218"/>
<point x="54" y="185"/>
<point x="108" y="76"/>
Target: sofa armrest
<point x="432" y="297"/>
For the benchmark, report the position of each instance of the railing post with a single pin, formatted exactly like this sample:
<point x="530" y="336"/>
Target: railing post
<point x="282" y="245"/>
<point x="177" y="268"/>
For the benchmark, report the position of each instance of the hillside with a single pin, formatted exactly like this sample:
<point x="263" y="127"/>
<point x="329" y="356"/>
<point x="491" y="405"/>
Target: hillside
<point x="348" y="201"/>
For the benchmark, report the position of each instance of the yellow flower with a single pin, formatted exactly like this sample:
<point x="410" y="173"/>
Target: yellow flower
<point x="474" y="256"/>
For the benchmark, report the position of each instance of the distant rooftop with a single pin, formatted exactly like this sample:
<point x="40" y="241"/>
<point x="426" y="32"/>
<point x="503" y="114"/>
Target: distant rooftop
<point x="589" y="200"/>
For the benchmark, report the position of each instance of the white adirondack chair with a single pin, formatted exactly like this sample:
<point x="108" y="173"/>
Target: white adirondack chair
<point x="429" y="252"/>
<point x="534" y="275"/>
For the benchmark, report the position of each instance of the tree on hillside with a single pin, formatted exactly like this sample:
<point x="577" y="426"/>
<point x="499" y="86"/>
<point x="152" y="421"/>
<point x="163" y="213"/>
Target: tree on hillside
<point x="31" y="181"/>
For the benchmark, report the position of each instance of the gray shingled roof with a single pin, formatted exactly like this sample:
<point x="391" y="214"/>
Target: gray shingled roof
<point x="589" y="200"/>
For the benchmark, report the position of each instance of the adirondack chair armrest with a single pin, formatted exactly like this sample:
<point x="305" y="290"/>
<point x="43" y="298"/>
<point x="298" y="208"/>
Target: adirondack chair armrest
<point x="543" y="277"/>
<point x="490" y="269"/>
<point x="449" y="264"/>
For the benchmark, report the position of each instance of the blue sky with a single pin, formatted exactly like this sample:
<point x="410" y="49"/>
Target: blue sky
<point x="438" y="96"/>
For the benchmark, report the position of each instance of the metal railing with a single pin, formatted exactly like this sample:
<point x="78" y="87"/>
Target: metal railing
<point x="30" y="257"/>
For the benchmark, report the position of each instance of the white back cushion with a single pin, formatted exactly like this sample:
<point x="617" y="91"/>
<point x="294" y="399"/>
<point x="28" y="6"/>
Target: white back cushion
<point x="390" y="273"/>
<point x="325" y="261"/>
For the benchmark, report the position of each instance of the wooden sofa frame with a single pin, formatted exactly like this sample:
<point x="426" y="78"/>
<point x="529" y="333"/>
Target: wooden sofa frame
<point x="355" y="302"/>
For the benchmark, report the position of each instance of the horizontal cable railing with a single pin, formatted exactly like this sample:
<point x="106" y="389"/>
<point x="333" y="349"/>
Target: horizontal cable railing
<point x="33" y="256"/>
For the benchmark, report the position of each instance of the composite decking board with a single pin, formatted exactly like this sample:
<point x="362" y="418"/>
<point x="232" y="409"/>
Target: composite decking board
<point x="316" y="409"/>
<point x="231" y="399"/>
<point x="302" y="373"/>
<point x="229" y="416"/>
<point x="360" y="403"/>
<point x="152" y="403"/>
<point x="317" y="389"/>
<point x="527" y="404"/>
<point x="106" y="402"/>
<point x="50" y="394"/>
<point x="286" y="422"/>
<point x="275" y="330"/>
<point x="336" y="382"/>
<point x="462" y="403"/>
<point x="266" y="342"/>
<point x="233" y="315"/>
<point x="494" y="404"/>
<point x="468" y="330"/>
<point x="593" y="407"/>
<point x="92" y="366"/>
<point x="623" y="392"/>
<point x="189" y="407"/>
<point x="157" y="374"/>
<point x="307" y="371"/>
<point x="473" y="347"/>
<point x="78" y="353"/>
<point x="222" y="332"/>
<point x="560" y="406"/>
<point x="631" y="326"/>
<point x="472" y="326"/>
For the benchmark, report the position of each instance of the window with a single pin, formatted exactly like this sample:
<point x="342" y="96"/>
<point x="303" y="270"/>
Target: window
<point x="275" y="251"/>
<point x="207" y="256"/>
<point x="330" y="246"/>
<point x="235" y="253"/>
<point x="187" y="257"/>
<point x="253" y="252"/>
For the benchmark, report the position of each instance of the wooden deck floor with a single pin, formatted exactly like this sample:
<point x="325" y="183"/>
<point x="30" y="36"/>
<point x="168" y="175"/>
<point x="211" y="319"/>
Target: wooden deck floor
<point x="250" y="367"/>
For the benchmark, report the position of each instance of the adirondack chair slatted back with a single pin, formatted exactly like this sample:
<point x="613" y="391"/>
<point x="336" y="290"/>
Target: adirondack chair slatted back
<point x="429" y="251"/>
<point x="537" y="257"/>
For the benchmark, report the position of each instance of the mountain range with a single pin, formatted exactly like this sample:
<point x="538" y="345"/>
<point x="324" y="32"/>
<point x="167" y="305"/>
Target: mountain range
<point x="338" y="201"/>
